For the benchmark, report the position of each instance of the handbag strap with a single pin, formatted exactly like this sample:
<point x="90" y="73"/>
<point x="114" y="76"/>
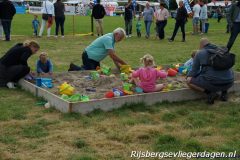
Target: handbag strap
<point x="46" y="6"/>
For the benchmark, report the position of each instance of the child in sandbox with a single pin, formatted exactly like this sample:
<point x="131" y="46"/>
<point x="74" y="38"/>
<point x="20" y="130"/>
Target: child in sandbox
<point x="189" y="63"/>
<point x="44" y="65"/>
<point x="146" y="77"/>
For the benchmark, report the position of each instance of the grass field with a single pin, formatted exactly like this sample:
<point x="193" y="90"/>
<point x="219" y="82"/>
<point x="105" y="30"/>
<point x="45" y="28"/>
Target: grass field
<point x="28" y="131"/>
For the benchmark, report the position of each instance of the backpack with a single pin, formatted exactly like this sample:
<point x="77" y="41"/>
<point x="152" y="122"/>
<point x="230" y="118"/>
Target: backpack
<point x="220" y="58"/>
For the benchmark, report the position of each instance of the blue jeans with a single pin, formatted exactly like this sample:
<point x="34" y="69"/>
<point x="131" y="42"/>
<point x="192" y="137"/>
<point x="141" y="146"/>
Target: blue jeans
<point x="148" y="27"/>
<point x="6" y="23"/>
<point x="204" y="21"/>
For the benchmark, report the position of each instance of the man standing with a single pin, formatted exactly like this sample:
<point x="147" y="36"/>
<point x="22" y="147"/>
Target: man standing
<point x="205" y="78"/>
<point x="161" y="20"/>
<point x="196" y="14"/>
<point x="98" y="13"/>
<point x="181" y="19"/>
<point x="235" y="22"/>
<point x="7" y="11"/>
<point x="99" y="49"/>
<point x="128" y="16"/>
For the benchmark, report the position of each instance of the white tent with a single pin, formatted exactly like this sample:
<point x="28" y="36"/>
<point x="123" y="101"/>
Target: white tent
<point x="218" y="3"/>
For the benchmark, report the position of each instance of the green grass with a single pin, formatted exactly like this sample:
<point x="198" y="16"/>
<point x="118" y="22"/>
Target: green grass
<point x="28" y="131"/>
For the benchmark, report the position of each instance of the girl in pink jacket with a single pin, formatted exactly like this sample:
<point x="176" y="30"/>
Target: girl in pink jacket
<point x="147" y="76"/>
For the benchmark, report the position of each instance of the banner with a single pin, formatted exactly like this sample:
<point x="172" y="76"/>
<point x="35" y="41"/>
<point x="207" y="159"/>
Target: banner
<point x="187" y="6"/>
<point x="20" y="9"/>
<point x="35" y="10"/>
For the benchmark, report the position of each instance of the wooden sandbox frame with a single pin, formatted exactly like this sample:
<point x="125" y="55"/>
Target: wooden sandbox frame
<point x="106" y="104"/>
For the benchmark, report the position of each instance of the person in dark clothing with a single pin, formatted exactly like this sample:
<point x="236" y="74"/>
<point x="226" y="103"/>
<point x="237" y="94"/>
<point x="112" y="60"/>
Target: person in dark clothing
<point x="181" y="19"/>
<point x="13" y="65"/>
<point x="205" y="78"/>
<point x="7" y="11"/>
<point x="234" y="21"/>
<point x="128" y="16"/>
<point x="98" y="13"/>
<point x="219" y="14"/>
<point x="59" y="17"/>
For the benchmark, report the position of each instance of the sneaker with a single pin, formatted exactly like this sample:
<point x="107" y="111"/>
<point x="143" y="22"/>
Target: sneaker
<point x="11" y="85"/>
<point x="224" y="96"/>
<point x="54" y="36"/>
<point x="170" y="40"/>
<point x="130" y="35"/>
<point x="62" y="36"/>
<point x="212" y="97"/>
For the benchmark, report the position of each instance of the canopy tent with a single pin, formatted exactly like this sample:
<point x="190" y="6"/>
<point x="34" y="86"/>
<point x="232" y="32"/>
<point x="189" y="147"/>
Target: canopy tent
<point x="218" y="3"/>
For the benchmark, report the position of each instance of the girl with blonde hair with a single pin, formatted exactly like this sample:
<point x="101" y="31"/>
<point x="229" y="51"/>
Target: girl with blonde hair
<point x="146" y="77"/>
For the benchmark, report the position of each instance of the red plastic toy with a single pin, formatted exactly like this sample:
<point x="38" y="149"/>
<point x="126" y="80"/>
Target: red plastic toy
<point x="171" y="72"/>
<point x="109" y="94"/>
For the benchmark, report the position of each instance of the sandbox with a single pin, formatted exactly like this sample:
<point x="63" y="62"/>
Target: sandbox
<point x="96" y="89"/>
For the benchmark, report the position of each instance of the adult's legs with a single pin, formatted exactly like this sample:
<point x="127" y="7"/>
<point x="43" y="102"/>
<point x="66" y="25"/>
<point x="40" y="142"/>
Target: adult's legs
<point x="62" y="25"/>
<point x="42" y="27"/>
<point x="101" y="26"/>
<point x="177" y="25"/>
<point x="127" y="27"/>
<point x="57" y="22"/>
<point x="161" y="29"/>
<point x="49" y="32"/>
<point x="228" y="27"/>
<point x="89" y="64"/>
<point x="183" y="30"/>
<point x="130" y="26"/>
<point x="15" y="73"/>
<point x="145" y="22"/>
<point x="6" y="28"/>
<point x="97" y="26"/>
<point x="203" y="25"/>
<point x="234" y="33"/>
<point x="148" y="28"/>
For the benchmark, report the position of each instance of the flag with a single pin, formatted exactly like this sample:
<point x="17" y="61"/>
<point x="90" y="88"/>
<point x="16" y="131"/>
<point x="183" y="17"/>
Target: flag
<point x="187" y="5"/>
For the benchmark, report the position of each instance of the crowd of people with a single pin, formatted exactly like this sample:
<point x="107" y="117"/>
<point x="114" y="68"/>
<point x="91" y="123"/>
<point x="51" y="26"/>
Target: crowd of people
<point x="202" y="76"/>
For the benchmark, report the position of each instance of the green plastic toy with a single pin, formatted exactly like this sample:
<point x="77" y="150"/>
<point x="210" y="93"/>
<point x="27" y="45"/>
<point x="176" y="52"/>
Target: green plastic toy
<point x="127" y="86"/>
<point x="106" y="70"/>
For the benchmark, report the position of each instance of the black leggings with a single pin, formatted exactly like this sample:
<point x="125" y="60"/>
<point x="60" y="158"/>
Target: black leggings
<point x="12" y="73"/>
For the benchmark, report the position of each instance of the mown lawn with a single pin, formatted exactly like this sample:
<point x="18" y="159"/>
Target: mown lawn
<point x="28" y="131"/>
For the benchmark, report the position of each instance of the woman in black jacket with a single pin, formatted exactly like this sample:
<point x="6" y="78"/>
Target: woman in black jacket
<point x="13" y="65"/>
<point x="59" y="17"/>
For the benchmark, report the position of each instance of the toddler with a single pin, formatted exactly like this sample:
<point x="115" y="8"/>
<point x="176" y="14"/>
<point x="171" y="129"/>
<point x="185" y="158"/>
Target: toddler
<point x="35" y="25"/>
<point x="44" y="65"/>
<point x="147" y="76"/>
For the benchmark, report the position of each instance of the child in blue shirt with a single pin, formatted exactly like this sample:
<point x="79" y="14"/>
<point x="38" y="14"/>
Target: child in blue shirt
<point x="35" y="25"/>
<point x="138" y="26"/>
<point x="44" y="65"/>
<point x="189" y="63"/>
